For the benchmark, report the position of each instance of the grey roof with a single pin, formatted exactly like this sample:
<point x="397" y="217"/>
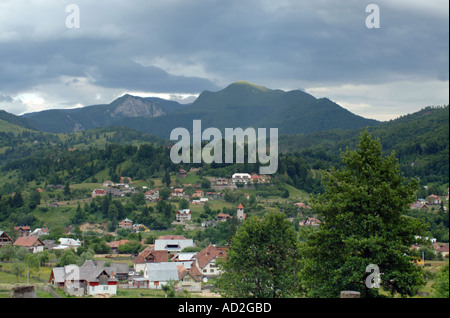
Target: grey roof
<point x="119" y="267"/>
<point x="162" y="272"/>
<point x="59" y="273"/>
<point x="88" y="272"/>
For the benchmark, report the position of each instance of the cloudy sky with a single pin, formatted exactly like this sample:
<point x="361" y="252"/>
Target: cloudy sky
<point x="178" y="48"/>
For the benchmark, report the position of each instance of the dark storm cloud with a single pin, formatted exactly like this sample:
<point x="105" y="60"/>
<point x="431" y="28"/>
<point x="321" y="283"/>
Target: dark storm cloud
<point x="181" y="46"/>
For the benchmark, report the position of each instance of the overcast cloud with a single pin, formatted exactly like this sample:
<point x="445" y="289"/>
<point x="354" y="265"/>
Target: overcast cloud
<point x="177" y="48"/>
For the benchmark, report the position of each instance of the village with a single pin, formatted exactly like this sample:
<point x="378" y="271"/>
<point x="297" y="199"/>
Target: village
<point x="170" y="259"/>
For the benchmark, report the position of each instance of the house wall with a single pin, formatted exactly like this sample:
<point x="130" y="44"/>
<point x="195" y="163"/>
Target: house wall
<point x="138" y="267"/>
<point x="189" y="284"/>
<point x="102" y="289"/>
<point x="75" y="288"/>
<point x="38" y="249"/>
<point x="210" y="269"/>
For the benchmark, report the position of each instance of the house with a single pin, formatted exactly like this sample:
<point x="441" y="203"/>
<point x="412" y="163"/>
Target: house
<point x="66" y="243"/>
<point x="310" y="221"/>
<point x="126" y="224"/>
<point x="23" y="230"/>
<point x="32" y="243"/>
<point x="4" y="239"/>
<point x="152" y="195"/>
<point x="183" y="215"/>
<point x="98" y="193"/>
<point x="108" y="183"/>
<point x="159" y="274"/>
<point x="183" y="257"/>
<point x="40" y="231"/>
<point x="419" y="204"/>
<point x="201" y="201"/>
<point x="433" y="199"/>
<point x="148" y="255"/>
<point x="173" y="245"/>
<point x="240" y="212"/>
<point x="205" y="260"/>
<point x="198" y="194"/>
<point x="140" y="228"/>
<point x="213" y="195"/>
<point x="221" y="181"/>
<point x="177" y="192"/>
<point x="189" y="279"/>
<point x="223" y="216"/>
<point x="88" y="279"/>
<point x="182" y="173"/>
<point x="114" y="245"/>
<point x="443" y="248"/>
<point x="120" y="270"/>
<point x="241" y="178"/>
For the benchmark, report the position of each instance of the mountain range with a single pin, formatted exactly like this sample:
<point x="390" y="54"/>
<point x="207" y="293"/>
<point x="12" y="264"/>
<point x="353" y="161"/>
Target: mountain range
<point x="241" y="104"/>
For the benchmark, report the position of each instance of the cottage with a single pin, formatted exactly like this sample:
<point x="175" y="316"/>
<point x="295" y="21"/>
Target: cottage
<point x="89" y="279"/>
<point x="23" y="230"/>
<point x="433" y="199"/>
<point x="189" y="279"/>
<point x="32" y="243"/>
<point x="4" y="239"/>
<point x="98" y="193"/>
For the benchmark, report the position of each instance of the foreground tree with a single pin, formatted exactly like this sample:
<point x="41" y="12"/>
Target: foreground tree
<point x="364" y="232"/>
<point x="262" y="260"/>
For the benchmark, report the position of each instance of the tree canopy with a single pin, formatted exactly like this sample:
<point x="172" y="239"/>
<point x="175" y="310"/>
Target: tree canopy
<point x="363" y="223"/>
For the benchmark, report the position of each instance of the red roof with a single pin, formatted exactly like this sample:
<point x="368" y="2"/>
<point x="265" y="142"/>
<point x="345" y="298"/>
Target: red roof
<point x="28" y="241"/>
<point x="240" y="206"/>
<point x="209" y="253"/>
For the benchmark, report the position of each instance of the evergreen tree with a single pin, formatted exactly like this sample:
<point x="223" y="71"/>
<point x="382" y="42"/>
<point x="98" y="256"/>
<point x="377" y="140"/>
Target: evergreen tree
<point x="363" y="223"/>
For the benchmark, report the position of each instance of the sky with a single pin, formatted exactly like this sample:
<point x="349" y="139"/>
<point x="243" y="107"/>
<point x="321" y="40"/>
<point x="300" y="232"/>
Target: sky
<point x="379" y="64"/>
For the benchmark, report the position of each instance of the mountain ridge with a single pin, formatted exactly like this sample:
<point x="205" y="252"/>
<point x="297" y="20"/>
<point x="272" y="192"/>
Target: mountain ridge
<point x="240" y="104"/>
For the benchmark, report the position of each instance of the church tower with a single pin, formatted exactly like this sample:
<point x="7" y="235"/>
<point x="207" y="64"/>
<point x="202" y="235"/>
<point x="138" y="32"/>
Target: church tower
<point x="240" y="212"/>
